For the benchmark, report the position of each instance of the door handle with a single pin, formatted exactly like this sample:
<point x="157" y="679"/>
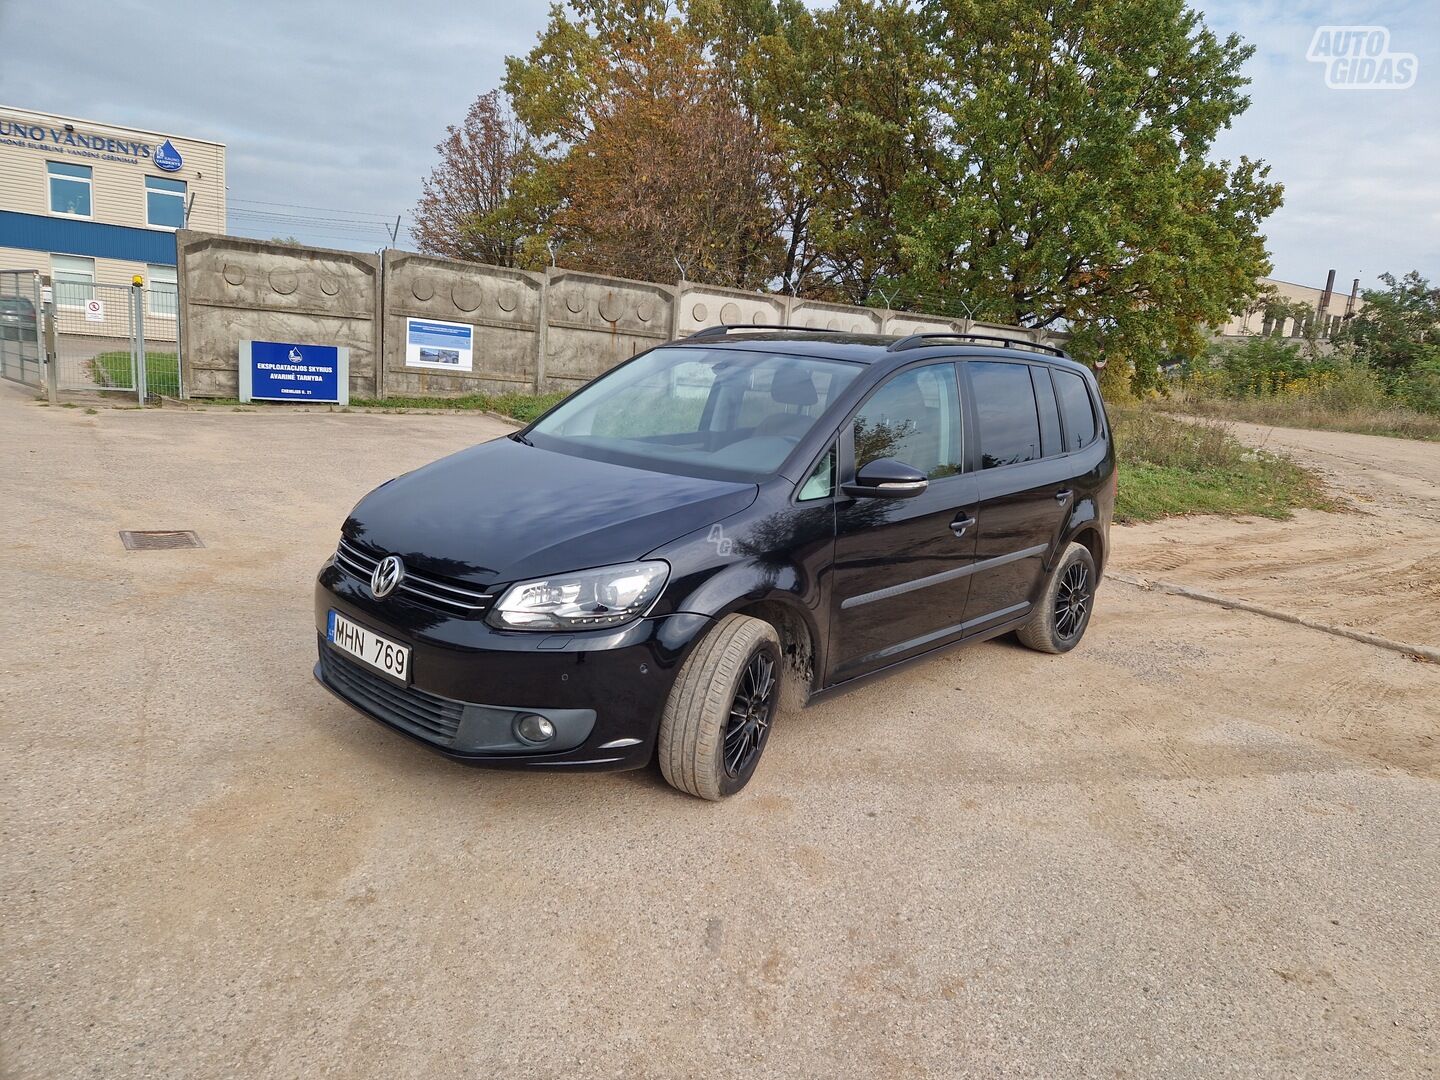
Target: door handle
<point x="1063" y="495"/>
<point x="960" y="524"/>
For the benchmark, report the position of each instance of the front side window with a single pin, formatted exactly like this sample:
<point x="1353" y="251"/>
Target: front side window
<point x="164" y="202"/>
<point x="914" y="418"/>
<point x="1077" y="409"/>
<point x="69" y="188"/>
<point x="1005" y="407"/>
<point x="161" y="291"/>
<point x="730" y="414"/>
<point x="74" y="280"/>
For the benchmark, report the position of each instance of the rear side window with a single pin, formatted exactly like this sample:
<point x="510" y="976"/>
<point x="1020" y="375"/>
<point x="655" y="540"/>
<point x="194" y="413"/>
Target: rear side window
<point x="1005" y="405"/>
<point x="1050" y="440"/>
<point x="1077" y="409"/>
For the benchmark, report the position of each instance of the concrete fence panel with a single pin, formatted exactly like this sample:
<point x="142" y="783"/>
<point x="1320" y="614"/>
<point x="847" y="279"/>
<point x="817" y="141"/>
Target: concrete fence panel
<point x="526" y="331"/>
<point x="593" y="322"/>
<point x="1011" y="333"/>
<point x="841" y="317"/>
<point x="910" y="322"/>
<point x="700" y="306"/>
<point x="232" y="289"/>
<point x="503" y="308"/>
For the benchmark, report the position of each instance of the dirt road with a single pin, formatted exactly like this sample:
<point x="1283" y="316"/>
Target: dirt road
<point x="1203" y="844"/>
<point x="1376" y="569"/>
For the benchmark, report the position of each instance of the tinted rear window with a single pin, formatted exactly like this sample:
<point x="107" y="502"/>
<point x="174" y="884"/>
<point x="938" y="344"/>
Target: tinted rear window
<point x="1005" y="405"/>
<point x="1076" y="408"/>
<point x="1050" y="439"/>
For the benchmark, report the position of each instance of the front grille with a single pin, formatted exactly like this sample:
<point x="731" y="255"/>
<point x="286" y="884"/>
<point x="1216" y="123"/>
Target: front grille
<point x="434" y="719"/>
<point x="431" y="591"/>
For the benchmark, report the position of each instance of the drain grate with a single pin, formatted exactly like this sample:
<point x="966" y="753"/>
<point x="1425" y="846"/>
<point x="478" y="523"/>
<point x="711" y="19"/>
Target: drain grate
<point x="160" y="539"/>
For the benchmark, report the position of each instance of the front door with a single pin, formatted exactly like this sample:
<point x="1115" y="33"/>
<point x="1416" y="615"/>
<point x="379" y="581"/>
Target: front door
<point x="1023" y="488"/>
<point x="902" y="565"/>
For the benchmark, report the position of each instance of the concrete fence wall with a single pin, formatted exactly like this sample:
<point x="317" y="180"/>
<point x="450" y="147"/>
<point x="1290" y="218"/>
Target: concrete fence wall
<point x="232" y="289"/>
<point x="532" y="331"/>
<point x="593" y="323"/>
<point x="505" y="307"/>
<point x="700" y="306"/>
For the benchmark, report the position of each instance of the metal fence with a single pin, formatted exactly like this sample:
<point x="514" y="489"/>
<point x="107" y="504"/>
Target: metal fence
<point x="22" y="352"/>
<point x="116" y="338"/>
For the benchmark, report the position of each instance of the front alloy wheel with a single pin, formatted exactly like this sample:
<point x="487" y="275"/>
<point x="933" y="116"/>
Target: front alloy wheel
<point x="750" y="712"/>
<point x="718" y="717"/>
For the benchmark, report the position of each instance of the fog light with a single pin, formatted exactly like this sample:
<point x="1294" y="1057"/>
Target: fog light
<point x="534" y="729"/>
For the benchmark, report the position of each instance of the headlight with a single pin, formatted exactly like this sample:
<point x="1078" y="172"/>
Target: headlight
<point x="581" y="601"/>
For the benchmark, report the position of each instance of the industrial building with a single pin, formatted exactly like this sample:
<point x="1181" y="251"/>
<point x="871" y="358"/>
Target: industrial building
<point x="90" y="203"/>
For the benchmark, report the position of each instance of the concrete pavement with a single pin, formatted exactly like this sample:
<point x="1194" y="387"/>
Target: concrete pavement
<point x="1202" y="844"/>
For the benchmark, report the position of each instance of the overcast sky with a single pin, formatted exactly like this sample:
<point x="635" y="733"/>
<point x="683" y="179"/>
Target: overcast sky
<point x="332" y="110"/>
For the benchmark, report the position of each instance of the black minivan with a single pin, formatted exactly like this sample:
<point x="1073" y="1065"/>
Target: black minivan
<point x="647" y="566"/>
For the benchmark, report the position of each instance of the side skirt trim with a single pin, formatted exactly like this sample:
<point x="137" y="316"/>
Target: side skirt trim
<point x="845" y="685"/>
<point x="938" y="635"/>
<point x="945" y="575"/>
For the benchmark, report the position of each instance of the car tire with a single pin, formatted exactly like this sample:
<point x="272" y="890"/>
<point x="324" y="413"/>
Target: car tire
<point x="718" y="717"/>
<point x="1059" y="620"/>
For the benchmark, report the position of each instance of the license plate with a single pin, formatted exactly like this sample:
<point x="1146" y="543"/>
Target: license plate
<point x="385" y="656"/>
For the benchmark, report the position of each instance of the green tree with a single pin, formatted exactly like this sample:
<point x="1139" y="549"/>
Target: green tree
<point x="1398" y="329"/>
<point x="868" y="142"/>
<point x="842" y="92"/>
<point x="1075" y="186"/>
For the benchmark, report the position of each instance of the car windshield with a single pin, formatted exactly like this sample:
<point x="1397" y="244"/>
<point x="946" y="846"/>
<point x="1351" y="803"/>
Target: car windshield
<point x="722" y="413"/>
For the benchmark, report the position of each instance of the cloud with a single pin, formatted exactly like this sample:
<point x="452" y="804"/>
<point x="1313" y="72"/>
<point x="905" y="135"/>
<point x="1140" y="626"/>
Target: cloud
<point x="338" y="106"/>
<point x="329" y="105"/>
<point x="1361" y="169"/>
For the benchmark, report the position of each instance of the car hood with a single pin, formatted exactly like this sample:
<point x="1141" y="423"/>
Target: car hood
<point x="504" y="510"/>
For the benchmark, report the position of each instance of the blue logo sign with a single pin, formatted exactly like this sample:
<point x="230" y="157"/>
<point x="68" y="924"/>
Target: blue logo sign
<point x="282" y="371"/>
<point x="167" y="157"/>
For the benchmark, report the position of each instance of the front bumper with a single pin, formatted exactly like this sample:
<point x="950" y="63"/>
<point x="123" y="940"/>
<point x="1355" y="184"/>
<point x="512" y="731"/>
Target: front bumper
<point x="604" y="689"/>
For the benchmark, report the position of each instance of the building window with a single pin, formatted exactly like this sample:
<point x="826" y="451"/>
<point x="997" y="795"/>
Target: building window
<point x="74" y="280"/>
<point x="161" y="293"/>
<point x="69" y="188"/>
<point x="164" y="202"/>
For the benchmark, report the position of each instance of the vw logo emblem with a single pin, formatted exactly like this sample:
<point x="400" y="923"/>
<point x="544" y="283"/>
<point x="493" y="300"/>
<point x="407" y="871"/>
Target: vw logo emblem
<point x="389" y="572"/>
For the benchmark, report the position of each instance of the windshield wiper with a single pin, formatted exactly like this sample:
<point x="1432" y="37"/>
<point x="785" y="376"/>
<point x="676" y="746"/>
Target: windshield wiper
<point x="521" y="439"/>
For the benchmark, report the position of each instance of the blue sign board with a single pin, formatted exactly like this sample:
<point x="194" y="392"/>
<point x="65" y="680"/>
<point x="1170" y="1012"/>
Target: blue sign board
<point x="290" y="371"/>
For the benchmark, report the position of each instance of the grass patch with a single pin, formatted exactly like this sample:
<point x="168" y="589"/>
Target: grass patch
<point x="162" y="371"/>
<point x="522" y="407"/>
<point x="1396" y="421"/>
<point x="1170" y="466"/>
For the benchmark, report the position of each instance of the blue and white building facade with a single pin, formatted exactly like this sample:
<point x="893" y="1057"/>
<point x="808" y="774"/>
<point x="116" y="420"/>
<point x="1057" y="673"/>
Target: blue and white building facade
<point x="88" y="203"/>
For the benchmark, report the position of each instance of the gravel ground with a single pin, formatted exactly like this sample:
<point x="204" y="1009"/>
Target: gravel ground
<point x="1378" y="572"/>
<point x="1203" y="844"/>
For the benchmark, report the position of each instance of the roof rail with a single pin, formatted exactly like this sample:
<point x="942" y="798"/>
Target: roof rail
<point x="724" y="328"/>
<point x="919" y="341"/>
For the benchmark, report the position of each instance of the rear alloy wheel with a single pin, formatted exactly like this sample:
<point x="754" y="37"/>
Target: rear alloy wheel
<point x="1059" y="620"/>
<point x="720" y="711"/>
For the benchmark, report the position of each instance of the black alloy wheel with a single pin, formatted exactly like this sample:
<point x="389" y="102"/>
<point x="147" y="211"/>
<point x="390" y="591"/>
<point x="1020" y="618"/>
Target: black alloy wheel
<point x="1072" y="600"/>
<point x="751" y="711"/>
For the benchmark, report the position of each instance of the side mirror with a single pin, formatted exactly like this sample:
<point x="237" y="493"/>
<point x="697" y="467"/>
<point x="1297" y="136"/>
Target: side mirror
<point x="886" y="478"/>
